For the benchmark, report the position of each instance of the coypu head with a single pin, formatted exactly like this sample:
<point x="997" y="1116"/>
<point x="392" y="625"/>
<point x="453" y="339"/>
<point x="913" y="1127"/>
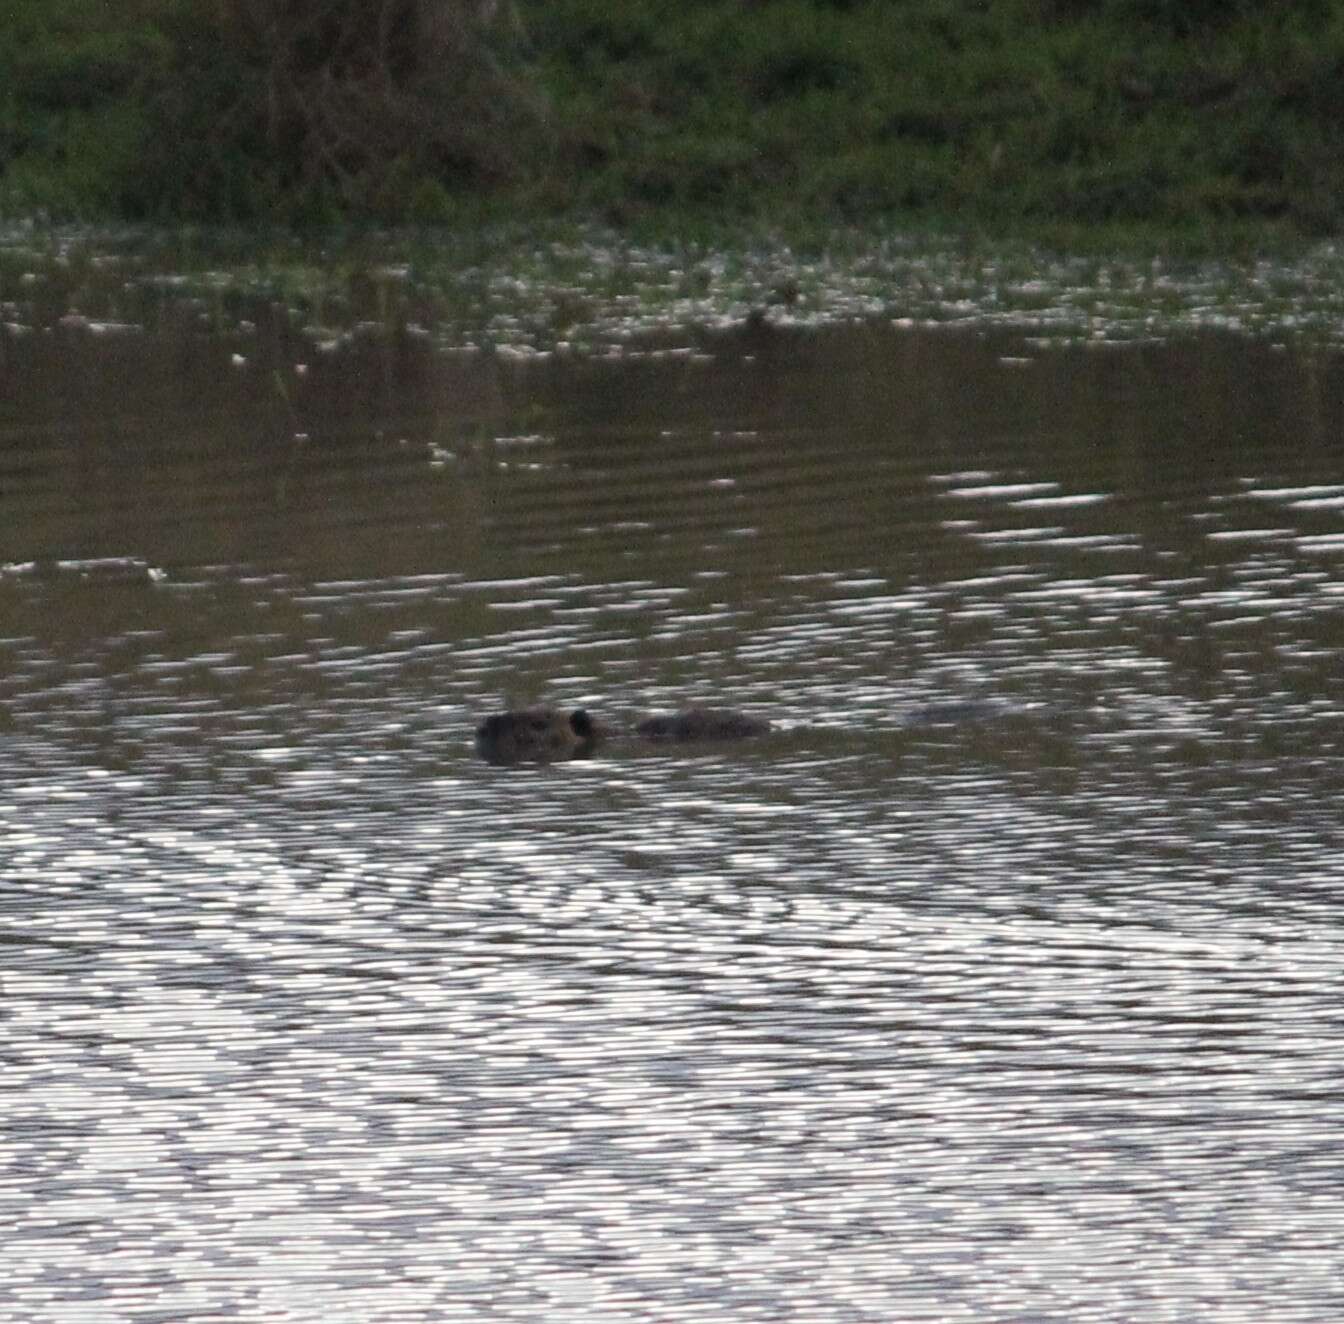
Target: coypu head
<point x="536" y="735"/>
<point x="703" y="724"/>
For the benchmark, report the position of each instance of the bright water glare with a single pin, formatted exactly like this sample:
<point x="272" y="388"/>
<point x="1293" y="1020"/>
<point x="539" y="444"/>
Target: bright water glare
<point x="999" y="982"/>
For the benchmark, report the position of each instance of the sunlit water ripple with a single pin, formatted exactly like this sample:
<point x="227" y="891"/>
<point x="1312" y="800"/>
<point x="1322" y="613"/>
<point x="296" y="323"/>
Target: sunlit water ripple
<point x="1025" y="1010"/>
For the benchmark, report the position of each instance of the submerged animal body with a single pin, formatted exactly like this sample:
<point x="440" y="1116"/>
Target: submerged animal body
<point x="535" y="735"/>
<point x="702" y="724"/>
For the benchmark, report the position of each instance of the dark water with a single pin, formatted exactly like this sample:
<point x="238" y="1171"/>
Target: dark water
<point x="309" y="1015"/>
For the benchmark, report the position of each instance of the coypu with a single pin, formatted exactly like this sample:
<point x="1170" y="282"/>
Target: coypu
<point x="535" y="735"/>
<point x="544" y="735"/>
<point x="702" y="724"/>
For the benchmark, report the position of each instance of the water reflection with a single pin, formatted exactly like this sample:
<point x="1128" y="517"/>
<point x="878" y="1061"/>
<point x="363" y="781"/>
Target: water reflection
<point x="999" y="980"/>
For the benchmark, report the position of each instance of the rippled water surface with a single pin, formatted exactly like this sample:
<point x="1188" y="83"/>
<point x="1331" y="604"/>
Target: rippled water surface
<point x="1000" y="982"/>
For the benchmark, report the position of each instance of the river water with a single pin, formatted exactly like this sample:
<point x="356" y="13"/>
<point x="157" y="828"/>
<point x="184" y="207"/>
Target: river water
<point x="1000" y="982"/>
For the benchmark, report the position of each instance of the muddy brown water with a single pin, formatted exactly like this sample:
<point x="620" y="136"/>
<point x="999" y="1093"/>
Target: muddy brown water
<point x="309" y="1014"/>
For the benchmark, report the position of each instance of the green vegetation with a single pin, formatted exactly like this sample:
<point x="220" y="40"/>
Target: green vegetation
<point x="1002" y="113"/>
<point x="258" y="109"/>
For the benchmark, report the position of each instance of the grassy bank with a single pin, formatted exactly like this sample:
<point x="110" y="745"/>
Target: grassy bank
<point x="1042" y="115"/>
